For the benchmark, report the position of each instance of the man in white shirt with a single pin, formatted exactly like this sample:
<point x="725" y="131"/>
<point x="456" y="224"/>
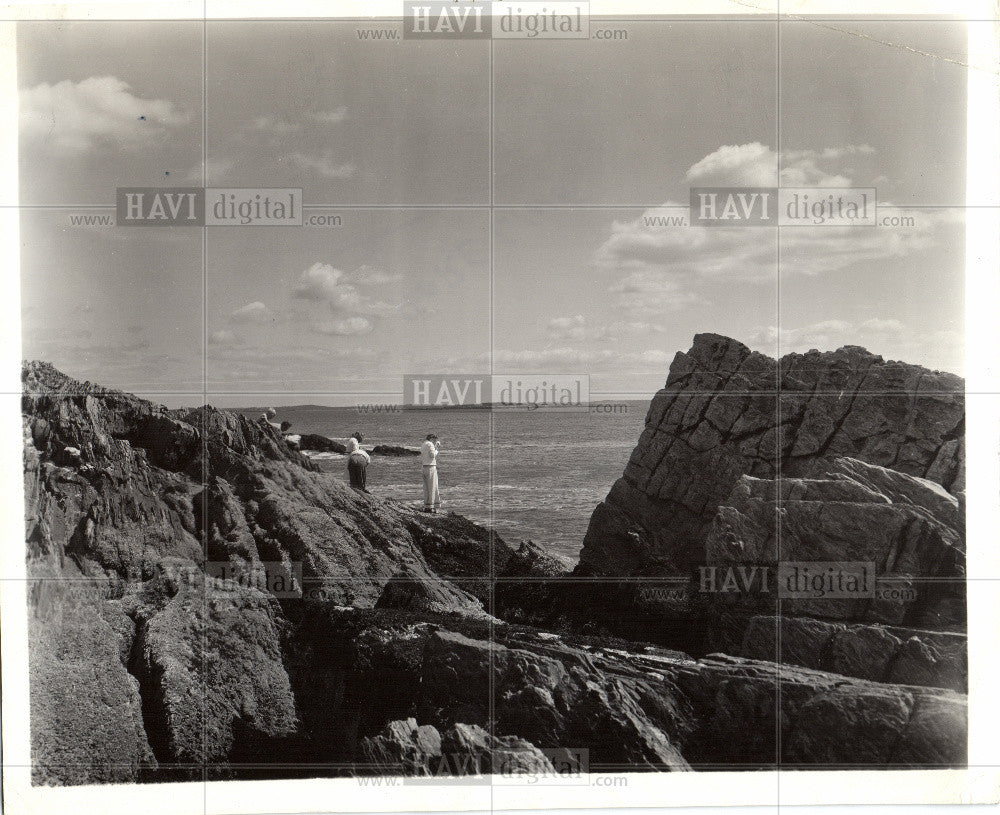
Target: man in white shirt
<point x="428" y="458"/>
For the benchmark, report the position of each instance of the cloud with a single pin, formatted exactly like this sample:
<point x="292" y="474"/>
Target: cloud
<point x="324" y="165"/>
<point x="571" y="328"/>
<point x="563" y="359"/>
<point x="657" y="254"/>
<point x="942" y="348"/>
<point x="335" y="116"/>
<point x="577" y="328"/>
<point x="274" y="126"/>
<point x="558" y="359"/>
<point x="369" y="276"/>
<point x="652" y="292"/>
<point x="323" y="283"/>
<point x="878" y="325"/>
<point x="255" y="312"/>
<point x="737" y="165"/>
<point x="344" y="328"/>
<point x="73" y="117"/>
<point x="756" y="165"/>
<point x="319" y="282"/>
<point x="622" y="329"/>
<point x="656" y="358"/>
<point x="827" y="335"/>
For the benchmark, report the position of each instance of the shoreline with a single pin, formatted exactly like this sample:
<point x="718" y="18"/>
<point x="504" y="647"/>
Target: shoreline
<point x="400" y="603"/>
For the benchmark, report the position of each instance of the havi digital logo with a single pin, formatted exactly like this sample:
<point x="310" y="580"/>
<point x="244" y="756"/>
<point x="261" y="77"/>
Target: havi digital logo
<point x="440" y="21"/>
<point x="528" y="20"/>
<point x="194" y="206"/>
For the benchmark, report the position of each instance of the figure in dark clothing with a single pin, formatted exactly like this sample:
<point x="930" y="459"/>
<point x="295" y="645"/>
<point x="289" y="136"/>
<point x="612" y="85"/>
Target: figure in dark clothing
<point x="357" y="463"/>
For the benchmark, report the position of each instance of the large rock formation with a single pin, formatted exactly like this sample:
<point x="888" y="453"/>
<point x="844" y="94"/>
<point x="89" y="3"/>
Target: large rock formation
<point x="726" y="412"/>
<point x="749" y="472"/>
<point x="203" y="599"/>
<point x="133" y="513"/>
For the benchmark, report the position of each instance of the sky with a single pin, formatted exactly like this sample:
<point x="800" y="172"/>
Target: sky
<point x="559" y="266"/>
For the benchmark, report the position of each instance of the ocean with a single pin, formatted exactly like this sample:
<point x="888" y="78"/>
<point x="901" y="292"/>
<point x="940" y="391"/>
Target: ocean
<point x="533" y="475"/>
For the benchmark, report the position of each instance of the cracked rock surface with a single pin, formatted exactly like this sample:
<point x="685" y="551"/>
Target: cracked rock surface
<point x="379" y="642"/>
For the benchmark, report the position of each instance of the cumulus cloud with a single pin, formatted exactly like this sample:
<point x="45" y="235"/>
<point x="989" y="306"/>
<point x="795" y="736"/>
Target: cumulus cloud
<point x="255" y="312"/>
<point x="739" y="165"/>
<point x="319" y="282"/>
<point x="756" y="165"/>
<point x="73" y="117"/>
<point x="344" y="328"/>
<point x="656" y="254"/>
<point x="325" y="165"/>
<point x="323" y="283"/>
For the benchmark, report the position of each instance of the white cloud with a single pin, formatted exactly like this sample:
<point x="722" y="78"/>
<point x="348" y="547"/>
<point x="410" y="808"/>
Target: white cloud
<point x="826" y="335"/>
<point x="577" y="328"/>
<point x="756" y="165"/>
<point x="737" y="165"/>
<point x="255" y="312"/>
<point x="319" y="282"/>
<point x="621" y="329"/>
<point x="73" y="117"/>
<point x="878" y="325"/>
<point x="555" y="358"/>
<point x="675" y="258"/>
<point x="324" y="165"/>
<point x="323" y="283"/>
<point x="656" y="358"/>
<point x="942" y="349"/>
<point x="652" y="292"/>
<point x="344" y="328"/>
<point x="274" y="126"/>
<point x="568" y="328"/>
<point x="564" y="359"/>
<point x="370" y="276"/>
<point x="334" y="116"/>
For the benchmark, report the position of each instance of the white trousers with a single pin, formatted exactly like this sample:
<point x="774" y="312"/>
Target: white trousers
<point x="432" y="498"/>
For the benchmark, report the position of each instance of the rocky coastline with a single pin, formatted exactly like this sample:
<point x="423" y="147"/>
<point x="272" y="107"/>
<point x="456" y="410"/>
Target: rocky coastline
<point x="315" y="443"/>
<point x="383" y="640"/>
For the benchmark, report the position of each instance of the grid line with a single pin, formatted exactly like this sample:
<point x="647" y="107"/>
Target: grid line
<point x="777" y="403"/>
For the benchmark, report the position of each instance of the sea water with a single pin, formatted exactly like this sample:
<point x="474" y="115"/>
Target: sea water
<point x="529" y="474"/>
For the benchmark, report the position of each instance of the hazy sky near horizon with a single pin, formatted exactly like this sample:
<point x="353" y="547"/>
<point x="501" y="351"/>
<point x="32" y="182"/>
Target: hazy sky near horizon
<point x="590" y="140"/>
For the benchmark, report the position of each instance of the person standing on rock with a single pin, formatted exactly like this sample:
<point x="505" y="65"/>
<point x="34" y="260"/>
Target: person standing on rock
<point x="268" y="416"/>
<point x="428" y="458"/>
<point x="291" y="439"/>
<point x="357" y="463"/>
